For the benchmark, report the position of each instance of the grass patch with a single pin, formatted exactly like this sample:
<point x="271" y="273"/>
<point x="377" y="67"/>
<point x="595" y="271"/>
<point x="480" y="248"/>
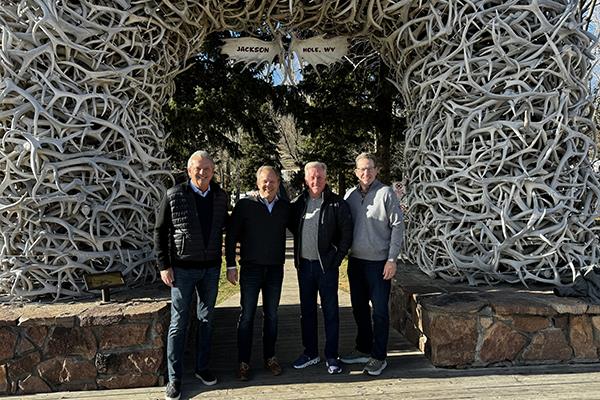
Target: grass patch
<point x="344" y="284"/>
<point x="226" y="289"/>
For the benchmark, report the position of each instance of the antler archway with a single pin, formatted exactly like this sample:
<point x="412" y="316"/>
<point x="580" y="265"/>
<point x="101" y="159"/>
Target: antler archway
<point x="501" y="187"/>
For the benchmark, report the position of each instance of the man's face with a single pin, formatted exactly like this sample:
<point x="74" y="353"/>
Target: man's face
<point x="315" y="179"/>
<point x="267" y="184"/>
<point x="201" y="172"/>
<point x="366" y="171"/>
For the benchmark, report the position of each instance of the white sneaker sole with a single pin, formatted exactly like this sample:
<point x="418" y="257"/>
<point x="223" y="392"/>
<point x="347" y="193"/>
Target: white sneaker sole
<point x="314" y="361"/>
<point x="376" y="372"/>
<point x="207" y="383"/>
<point x="334" y="371"/>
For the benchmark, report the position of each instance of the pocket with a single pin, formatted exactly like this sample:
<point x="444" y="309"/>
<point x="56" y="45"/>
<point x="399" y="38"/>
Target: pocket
<point x="329" y="258"/>
<point x="180" y="242"/>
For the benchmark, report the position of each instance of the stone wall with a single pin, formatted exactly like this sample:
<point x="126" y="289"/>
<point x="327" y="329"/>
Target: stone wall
<point x="462" y="326"/>
<point x="82" y="346"/>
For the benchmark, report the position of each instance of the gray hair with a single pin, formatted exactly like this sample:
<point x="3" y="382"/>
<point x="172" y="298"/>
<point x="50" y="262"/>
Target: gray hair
<point x="366" y="156"/>
<point x="200" y="154"/>
<point x="315" y="164"/>
<point x="266" y="168"/>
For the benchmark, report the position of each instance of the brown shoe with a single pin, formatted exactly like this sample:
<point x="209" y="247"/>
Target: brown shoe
<point x="243" y="372"/>
<point x="273" y="365"/>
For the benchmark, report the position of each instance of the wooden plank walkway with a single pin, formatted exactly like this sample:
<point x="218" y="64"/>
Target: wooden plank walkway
<point x="408" y="376"/>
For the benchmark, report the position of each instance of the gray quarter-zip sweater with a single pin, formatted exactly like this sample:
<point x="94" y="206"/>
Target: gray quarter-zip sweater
<point x="378" y="222"/>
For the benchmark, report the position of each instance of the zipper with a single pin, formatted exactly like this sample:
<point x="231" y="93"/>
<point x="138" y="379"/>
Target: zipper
<point x="297" y="257"/>
<point x="322" y="218"/>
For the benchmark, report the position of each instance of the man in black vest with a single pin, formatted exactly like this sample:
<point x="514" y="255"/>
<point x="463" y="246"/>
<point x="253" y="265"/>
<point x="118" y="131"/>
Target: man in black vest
<point x="258" y="223"/>
<point x="187" y="241"/>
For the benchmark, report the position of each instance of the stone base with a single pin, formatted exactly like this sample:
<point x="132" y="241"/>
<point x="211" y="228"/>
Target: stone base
<point x="84" y="344"/>
<point x="460" y="326"/>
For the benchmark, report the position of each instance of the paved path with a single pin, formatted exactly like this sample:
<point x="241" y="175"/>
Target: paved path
<point x="408" y="376"/>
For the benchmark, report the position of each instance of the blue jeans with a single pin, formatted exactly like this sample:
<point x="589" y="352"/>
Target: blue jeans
<point x="205" y="283"/>
<point x="367" y="284"/>
<point x="312" y="280"/>
<point x="253" y="279"/>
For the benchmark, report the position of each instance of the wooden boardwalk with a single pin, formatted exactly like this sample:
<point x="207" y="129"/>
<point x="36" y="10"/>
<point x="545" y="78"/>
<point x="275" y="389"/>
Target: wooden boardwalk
<point x="408" y="376"/>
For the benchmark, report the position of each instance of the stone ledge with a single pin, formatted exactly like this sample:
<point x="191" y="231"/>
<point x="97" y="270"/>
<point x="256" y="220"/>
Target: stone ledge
<point x="460" y="326"/>
<point x="71" y="345"/>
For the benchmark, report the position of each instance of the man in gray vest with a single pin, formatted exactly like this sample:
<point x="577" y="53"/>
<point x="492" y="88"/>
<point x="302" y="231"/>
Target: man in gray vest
<point x="377" y="240"/>
<point x="188" y="241"/>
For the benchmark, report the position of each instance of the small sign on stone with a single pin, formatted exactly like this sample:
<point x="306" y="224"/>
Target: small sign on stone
<point x="104" y="281"/>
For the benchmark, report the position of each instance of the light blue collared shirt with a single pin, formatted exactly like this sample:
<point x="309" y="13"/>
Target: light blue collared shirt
<point x="197" y="189"/>
<point x="269" y="205"/>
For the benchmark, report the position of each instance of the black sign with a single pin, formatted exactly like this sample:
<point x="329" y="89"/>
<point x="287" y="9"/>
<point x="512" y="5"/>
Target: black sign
<point x="104" y="280"/>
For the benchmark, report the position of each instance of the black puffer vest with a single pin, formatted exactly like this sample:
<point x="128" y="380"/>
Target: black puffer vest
<point x="187" y="241"/>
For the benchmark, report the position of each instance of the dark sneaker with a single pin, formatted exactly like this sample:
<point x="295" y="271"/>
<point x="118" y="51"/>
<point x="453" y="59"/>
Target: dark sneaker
<point x="356" y="357"/>
<point x="243" y="372"/>
<point x="333" y="366"/>
<point x="173" y="391"/>
<point x="374" y="366"/>
<point x="304" y="361"/>
<point x="206" y="377"/>
<point x="273" y="365"/>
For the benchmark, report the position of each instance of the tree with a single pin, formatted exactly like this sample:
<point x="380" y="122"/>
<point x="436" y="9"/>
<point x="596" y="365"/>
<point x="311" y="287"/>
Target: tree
<point x="345" y="110"/>
<point x="238" y="114"/>
<point x="225" y="109"/>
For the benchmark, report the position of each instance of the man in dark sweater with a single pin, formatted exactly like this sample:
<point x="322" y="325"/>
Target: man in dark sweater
<point x="188" y="241"/>
<point x="258" y="223"/>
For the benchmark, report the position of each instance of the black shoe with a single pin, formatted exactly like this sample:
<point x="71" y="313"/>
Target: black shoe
<point x="206" y="377"/>
<point x="173" y="391"/>
<point x="304" y="361"/>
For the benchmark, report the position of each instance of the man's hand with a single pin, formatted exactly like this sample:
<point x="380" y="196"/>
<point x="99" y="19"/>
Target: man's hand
<point x="232" y="275"/>
<point x="389" y="270"/>
<point x="167" y="276"/>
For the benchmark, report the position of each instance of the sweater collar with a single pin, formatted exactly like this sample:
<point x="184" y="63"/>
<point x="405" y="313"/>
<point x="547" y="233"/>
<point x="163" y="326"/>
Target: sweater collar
<point x="324" y="195"/>
<point x="373" y="186"/>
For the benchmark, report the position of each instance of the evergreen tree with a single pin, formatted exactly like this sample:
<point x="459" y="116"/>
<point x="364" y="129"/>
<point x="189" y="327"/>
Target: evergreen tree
<point x="234" y="112"/>
<point x="224" y="109"/>
<point x="345" y="110"/>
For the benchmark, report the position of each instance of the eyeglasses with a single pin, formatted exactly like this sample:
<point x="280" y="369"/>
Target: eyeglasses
<point x="367" y="169"/>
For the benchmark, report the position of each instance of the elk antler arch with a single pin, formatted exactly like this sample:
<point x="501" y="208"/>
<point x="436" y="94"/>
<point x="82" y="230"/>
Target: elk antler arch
<point x="497" y="93"/>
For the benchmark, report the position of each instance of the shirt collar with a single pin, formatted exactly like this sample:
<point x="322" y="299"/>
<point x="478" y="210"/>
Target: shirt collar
<point x="196" y="189"/>
<point x="264" y="199"/>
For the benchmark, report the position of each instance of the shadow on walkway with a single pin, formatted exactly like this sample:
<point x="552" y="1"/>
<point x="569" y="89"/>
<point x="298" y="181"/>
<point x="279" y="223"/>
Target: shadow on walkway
<point x="408" y="369"/>
<point x="402" y="354"/>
